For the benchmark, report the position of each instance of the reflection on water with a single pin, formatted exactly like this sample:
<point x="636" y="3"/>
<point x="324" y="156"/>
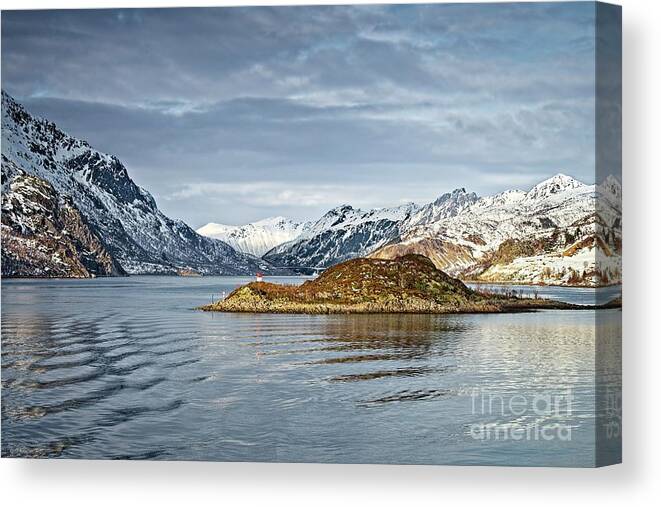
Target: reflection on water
<point x="125" y="368"/>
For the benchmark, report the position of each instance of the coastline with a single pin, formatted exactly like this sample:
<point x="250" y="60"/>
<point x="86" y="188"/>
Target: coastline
<point x="200" y="275"/>
<point x="378" y="309"/>
<point x="265" y="297"/>
<point x="406" y="284"/>
<point x="541" y="284"/>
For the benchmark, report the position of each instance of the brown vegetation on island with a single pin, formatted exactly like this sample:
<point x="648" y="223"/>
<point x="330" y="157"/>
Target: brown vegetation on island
<point x="407" y="284"/>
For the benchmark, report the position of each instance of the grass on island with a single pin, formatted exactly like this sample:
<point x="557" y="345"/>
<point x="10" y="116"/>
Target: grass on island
<point x="407" y="284"/>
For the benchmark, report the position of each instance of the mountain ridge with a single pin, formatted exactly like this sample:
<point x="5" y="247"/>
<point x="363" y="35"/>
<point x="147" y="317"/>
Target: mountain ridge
<point x="255" y="238"/>
<point x="561" y="231"/>
<point x="342" y="233"/>
<point x="123" y="216"/>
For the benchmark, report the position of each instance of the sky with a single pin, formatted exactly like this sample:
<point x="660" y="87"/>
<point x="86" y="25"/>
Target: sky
<point x="231" y="115"/>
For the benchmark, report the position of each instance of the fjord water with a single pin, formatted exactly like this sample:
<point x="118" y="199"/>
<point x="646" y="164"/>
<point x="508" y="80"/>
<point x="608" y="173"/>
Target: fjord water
<point x="126" y="368"/>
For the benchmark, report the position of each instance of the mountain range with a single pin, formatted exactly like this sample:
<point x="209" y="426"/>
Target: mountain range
<point x="71" y="210"/>
<point x="256" y="238"/>
<point x="560" y="232"/>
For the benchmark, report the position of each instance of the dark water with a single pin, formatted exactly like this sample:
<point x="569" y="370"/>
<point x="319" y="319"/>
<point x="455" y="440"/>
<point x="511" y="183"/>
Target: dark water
<point x="125" y="368"/>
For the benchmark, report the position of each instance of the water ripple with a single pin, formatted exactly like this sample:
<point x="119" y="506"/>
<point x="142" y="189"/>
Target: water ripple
<point x="128" y="371"/>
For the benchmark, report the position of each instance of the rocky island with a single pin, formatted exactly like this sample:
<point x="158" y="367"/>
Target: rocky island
<point x="406" y="284"/>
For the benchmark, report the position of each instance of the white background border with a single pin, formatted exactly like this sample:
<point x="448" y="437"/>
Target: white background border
<point x="637" y="481"/>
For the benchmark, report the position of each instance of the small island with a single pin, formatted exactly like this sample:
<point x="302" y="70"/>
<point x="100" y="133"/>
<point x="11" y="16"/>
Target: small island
<point x="406" y="284"/>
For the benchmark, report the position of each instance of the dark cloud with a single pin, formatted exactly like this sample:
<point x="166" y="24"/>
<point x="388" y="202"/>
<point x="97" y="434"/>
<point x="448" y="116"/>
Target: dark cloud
<point x="234" y="114"/>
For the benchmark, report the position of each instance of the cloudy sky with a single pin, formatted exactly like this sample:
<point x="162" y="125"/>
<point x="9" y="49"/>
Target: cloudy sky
<point x="235" y="114"/>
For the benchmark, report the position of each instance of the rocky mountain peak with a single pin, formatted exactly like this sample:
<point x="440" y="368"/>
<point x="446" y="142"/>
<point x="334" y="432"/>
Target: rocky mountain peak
<point x="445" y="206"/>
<point x="553" y="185"/>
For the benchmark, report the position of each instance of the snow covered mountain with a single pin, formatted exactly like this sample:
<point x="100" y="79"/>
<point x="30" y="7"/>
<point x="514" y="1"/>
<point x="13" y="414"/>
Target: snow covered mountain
<point x="255" y="238"/>
<point x="342" y="233"/>
<point x="560" y="232"/>
<point x="446" y="206"/>
<point x="119" y="215"/>
<point x="70" y="210"/>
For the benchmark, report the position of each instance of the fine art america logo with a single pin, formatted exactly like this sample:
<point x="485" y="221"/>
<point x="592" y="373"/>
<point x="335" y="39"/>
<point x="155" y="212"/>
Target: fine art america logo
<point x="519" y="417"/>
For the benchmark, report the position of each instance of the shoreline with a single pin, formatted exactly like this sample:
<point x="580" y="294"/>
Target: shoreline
<point x="169" y="275"/>
<point x="538" y="284"/>
<point x="407" y="284"/>
<point x="341" y="309"/>
<point x="252" y="299"/>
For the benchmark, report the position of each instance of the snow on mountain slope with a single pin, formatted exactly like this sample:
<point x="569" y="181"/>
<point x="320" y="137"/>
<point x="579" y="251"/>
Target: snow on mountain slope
<point x="445" y="206"/>
<point x="122" y="215"/>
<point x="555" y="233"/>
<point x="561" y="231"/>
<point x="255" y="238"/>
<point x="345" y="217"/>
<point x="342" y="233"/>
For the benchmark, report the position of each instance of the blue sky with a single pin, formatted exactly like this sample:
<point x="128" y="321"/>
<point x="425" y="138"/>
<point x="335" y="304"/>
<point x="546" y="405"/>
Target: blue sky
<point x="234" y="114"/>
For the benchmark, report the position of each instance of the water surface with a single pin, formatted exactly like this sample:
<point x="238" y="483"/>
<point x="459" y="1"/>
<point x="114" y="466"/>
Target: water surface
<point x="575" y="295"/>
<point x="126" y="368"/>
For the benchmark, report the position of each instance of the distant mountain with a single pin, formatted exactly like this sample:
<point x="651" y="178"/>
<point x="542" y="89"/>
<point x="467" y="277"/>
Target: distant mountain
<point x="342" y="233"/>
<point x="561" y="232"/>
<point x="345" y="232"/>
<point x="119" y="227"/>
<point x="255" y="238"/>
<point x="70" y="210"/>
<point x="446" y="206"/>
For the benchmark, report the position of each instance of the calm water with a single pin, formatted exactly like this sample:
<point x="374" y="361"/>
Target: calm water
<point x="125" y="368"/>
<point x="575" y="295"/>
